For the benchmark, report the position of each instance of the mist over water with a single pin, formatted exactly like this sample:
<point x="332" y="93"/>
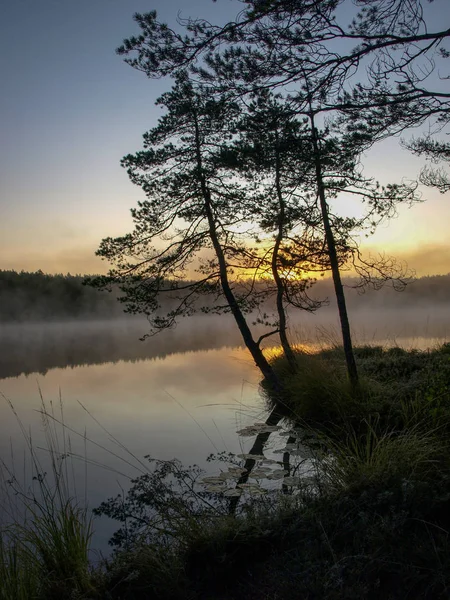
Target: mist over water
<point x="39" y="347"/>
<point x="29" y="348"/>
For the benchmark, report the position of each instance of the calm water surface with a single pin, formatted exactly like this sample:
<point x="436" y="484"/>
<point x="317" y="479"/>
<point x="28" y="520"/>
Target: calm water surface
<point x="182" y="394"/>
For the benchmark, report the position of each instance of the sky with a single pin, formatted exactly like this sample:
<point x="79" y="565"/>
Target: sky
<point x="70" y="109"/>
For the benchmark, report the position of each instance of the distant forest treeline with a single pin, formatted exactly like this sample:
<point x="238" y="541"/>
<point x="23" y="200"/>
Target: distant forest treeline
<point x="40" y="297"/>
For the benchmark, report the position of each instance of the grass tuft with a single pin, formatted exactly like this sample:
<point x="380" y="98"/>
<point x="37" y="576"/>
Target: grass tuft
<point x="44" y="547"/>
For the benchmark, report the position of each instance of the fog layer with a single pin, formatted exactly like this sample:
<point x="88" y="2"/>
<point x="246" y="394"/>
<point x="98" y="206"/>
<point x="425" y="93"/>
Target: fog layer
<point x="38" y="347"/>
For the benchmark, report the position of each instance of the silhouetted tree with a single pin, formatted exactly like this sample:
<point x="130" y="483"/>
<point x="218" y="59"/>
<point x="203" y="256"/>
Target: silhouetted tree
<point x="295" y="174"/>
<point x="192" y="219"/>
<point x="327" y="167"/>
<point x="266" y="155"/>
<point x="279" y="43"/>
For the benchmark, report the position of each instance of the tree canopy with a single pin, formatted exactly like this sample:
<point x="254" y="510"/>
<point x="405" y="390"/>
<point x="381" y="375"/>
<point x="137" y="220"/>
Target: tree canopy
<point x="248" y="170"/>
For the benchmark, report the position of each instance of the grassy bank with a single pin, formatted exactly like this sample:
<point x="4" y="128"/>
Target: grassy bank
<point x="370" y="520"/>
<point x="398" y="389"/>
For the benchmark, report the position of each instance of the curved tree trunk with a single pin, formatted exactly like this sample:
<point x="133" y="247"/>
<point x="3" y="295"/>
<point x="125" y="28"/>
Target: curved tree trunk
<point x="252" y="345"/>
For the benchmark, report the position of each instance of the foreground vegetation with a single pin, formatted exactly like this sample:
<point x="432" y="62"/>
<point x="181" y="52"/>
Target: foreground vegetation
<point x="363" y="510"/>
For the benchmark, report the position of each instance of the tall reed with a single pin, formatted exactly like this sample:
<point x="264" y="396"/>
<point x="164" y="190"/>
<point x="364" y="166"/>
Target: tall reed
<point x="45" y="543"/>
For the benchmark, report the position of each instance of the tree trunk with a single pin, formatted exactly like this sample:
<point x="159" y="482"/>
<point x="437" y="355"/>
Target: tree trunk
<point x="287" y="349"/>
<point x="334" y="263"/>
<point x="253" y="347"/>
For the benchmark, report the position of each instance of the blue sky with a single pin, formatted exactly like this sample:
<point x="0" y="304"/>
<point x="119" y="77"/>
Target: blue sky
<point x="71" y="108"/>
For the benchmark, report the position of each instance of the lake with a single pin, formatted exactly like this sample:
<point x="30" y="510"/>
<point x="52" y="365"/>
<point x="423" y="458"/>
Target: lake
<point x="183" y="393"/>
